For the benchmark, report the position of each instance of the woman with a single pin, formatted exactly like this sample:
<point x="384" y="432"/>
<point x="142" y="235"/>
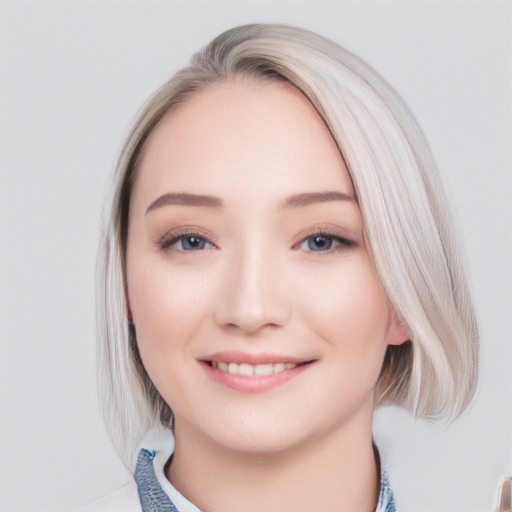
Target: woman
<point x="278" y="260"/>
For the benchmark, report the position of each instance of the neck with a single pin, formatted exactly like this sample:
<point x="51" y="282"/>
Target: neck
<point x="339" y="469"/>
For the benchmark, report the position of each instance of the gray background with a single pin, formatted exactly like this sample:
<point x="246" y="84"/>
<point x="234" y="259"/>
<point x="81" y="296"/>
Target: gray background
<point x="73" y="75"/>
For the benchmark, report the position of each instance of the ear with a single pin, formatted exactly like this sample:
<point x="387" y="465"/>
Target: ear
<point x="397" y="332"/>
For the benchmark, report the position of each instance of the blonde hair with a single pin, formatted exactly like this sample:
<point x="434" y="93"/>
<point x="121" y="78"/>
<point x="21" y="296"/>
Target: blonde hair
<point x="407" y="222"/>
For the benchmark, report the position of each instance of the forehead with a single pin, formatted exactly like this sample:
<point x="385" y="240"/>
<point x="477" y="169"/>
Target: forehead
<point x="264" y="137"/>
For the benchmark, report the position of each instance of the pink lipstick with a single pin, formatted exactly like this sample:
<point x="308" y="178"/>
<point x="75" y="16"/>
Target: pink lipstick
<point x="252" y="373"/>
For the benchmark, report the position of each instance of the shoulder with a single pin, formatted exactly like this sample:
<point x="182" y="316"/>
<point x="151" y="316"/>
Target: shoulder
<point x="125" y="499"/>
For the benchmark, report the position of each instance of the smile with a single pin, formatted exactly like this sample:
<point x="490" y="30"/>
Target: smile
<point x="249" y="370"/>
<point x="252" y="373"/>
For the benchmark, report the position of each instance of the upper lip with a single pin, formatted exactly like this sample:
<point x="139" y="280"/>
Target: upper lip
<point x="233" y="356"/>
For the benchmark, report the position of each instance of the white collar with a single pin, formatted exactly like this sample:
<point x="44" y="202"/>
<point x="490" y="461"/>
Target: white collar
<point x="159" y="445"/>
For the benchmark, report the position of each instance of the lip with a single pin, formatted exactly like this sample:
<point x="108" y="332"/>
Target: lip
<point x="253" y="384"/>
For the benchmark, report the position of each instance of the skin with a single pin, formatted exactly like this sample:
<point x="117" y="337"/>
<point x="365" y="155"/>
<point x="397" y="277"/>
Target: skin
<point x="247" y="277"/>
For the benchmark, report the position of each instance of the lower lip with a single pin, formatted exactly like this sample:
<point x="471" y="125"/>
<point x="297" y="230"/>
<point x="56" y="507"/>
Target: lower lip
<point x="253" y="384"/>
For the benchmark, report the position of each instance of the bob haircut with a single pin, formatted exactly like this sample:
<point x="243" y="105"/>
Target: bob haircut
<point x="408" y="226"/>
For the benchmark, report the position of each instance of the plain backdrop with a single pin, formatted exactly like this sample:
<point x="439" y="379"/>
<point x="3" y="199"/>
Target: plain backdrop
<point x="73" y="75"/>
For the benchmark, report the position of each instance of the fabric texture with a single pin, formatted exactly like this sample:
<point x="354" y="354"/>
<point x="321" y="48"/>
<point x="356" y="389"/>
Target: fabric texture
<point x="152" y="497"/>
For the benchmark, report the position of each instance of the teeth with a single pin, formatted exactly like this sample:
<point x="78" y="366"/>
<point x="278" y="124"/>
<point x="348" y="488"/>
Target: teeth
<point x="279" y="367"/>
<point x="263" y="369"/>
<point x="246" y="370"/>
<point x="249" y="370"/>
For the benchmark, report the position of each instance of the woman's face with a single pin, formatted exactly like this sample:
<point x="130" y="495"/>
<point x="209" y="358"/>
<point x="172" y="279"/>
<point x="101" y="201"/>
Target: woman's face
<point x="259" y="315"/>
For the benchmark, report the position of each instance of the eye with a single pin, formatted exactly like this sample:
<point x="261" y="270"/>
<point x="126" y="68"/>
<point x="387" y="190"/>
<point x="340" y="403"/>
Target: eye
<point x="192" y="243"/>
<point x="184" y="242"/>
<point x="319" y="243"/>
<point x="323" y="242"/>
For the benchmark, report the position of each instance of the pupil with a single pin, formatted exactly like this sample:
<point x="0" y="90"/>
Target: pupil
<point x="319" y="243"/>
<point x="192" y="242"/>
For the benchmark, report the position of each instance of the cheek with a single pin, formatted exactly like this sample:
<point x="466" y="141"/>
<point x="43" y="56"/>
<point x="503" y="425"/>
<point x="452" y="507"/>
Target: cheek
<point x="167" y="307"/>
<point x="343" y="307"/>
<point x="344" y="304"/>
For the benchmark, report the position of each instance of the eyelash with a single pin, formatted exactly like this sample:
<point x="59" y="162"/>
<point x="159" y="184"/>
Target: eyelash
<point x="172" y="238"/>
<point x="344" y="243"/>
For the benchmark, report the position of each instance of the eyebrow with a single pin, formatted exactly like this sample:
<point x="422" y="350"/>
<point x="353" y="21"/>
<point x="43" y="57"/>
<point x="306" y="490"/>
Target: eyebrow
<point x="300" y="200"/>
<point x="186" y="199"/>
<point x="296" y="201"/>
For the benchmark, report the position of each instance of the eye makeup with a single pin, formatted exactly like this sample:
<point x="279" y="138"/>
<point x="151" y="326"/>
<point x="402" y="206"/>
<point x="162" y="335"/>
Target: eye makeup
<point x="191" y="237"/>
<point x="325" y="239"/>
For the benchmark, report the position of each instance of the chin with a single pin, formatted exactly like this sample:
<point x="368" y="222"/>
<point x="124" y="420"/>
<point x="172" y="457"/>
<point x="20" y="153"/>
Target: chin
<point x="256" y="434"/>
<point x="262" y="442"/>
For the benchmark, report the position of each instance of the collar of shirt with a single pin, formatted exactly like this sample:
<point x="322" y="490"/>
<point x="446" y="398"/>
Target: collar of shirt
<point x="157" y="493"/>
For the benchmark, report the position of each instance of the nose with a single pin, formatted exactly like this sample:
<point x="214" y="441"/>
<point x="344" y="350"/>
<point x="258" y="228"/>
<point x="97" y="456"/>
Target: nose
<point x="253" y="295"/>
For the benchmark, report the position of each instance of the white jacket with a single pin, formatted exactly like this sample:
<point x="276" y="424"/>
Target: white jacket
<point x="125" y="499"/>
